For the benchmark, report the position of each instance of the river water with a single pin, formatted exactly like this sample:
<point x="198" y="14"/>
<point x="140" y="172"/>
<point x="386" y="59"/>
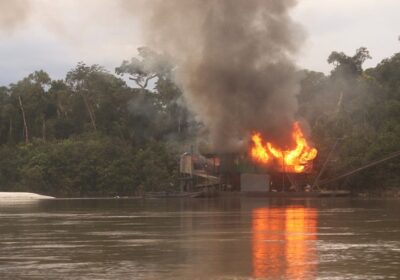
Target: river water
<point x="236" y="238"/>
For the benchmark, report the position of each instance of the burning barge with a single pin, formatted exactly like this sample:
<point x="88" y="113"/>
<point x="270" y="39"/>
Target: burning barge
<point x="265" y="170"/>
<point x="211" y="175"/>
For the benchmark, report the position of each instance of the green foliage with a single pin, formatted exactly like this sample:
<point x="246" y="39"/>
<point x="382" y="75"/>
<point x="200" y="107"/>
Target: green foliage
<point x="346" y="65"/>
<point x="362" y="110"/>
<point x="91" y="134"/>
<point x="90" y="165"/>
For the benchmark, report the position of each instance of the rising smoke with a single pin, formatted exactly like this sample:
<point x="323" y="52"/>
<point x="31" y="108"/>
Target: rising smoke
<point x="12" y="13"/>
<point x="234" y="60"/>
<point x="234" y="63"/>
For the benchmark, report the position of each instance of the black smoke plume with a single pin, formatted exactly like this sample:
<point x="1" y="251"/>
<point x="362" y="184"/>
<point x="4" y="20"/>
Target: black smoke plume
<point x="234" y="63"/>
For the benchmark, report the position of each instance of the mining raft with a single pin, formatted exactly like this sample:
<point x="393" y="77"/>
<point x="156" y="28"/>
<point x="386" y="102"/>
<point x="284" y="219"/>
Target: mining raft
<point x="213" y="174"/>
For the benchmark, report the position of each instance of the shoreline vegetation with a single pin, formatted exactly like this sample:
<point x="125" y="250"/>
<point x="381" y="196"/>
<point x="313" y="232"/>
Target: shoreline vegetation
<point x="95" y="133"/>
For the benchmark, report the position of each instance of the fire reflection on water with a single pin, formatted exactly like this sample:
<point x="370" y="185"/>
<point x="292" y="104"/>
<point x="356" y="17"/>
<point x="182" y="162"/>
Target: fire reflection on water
<point x="283" y="242"/>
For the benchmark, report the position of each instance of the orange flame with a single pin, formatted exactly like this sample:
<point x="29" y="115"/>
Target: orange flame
<point x="294" y="160"/>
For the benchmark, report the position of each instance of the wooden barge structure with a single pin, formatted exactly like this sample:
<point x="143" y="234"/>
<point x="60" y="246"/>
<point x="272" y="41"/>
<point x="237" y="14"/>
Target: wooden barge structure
<point x="218" y="174"/>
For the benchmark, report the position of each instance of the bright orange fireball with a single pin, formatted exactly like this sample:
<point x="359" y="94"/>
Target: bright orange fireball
<point x="294" y="160"/>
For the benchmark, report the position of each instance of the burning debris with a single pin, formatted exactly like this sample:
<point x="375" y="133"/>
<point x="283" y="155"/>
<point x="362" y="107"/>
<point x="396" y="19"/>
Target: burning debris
<point x="295" y="160"/>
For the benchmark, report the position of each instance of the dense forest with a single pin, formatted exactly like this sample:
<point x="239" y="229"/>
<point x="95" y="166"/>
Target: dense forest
<point x="92" y="133"/>
<point x="99" y="133"/>
<point x="355" y="115"/>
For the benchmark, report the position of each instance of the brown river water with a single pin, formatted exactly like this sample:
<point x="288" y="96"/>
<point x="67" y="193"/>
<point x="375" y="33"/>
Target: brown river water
<point x="235" y="238"/>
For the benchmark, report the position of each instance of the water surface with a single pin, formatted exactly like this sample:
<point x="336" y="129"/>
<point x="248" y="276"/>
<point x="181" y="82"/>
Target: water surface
<point x="237" y="238"/>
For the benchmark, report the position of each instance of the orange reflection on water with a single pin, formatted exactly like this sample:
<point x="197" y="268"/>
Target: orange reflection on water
<point x="283" y="242"/>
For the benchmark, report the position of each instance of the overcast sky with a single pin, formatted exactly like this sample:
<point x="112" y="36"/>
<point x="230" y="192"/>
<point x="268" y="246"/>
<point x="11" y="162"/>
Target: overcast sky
<point x="54" y="35"/>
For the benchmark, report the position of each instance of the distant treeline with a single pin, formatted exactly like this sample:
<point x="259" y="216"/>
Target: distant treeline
<point x="94" y="133"/>
<point x="91" y="133"/>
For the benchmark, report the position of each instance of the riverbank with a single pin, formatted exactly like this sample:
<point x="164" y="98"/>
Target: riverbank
<point x="377" y="193"/>
<point x="13" y="196"/>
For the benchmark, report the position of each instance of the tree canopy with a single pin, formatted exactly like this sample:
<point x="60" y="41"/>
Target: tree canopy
<point x="91" y="130"/>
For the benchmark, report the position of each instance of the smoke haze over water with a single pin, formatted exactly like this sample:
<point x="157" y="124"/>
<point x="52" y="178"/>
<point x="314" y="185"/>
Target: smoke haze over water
<point x="234" y="61"/>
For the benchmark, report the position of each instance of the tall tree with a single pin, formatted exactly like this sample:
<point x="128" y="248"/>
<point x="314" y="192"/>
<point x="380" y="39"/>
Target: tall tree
<point x="80" y="80"/>
<point x="30" y="97"/>
<point x="152" y="66"/>
<point x="148" y="66"/>
<point x="348" y="65"/>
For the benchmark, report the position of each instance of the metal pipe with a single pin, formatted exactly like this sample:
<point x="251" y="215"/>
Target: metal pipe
<point x="316" y="181"/>
<point x="394" y="155"/>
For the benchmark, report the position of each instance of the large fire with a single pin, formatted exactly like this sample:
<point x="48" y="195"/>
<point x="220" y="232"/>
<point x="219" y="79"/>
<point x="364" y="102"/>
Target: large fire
<point x="293" y="160"/>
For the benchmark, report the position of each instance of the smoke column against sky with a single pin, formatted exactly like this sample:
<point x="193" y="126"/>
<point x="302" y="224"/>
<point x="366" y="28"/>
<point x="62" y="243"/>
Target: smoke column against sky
<point x="234" y="62"/>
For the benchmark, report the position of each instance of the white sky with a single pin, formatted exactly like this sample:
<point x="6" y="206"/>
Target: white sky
<point x="346" y="25"/>
<point x="60" y="33"/>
